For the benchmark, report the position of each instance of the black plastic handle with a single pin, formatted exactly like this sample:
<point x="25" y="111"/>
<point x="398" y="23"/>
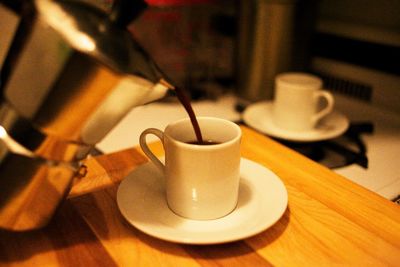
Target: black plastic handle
<point x="125" y="11"/>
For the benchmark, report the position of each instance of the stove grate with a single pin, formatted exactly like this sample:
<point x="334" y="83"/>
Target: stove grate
<point x="339" y="152"/>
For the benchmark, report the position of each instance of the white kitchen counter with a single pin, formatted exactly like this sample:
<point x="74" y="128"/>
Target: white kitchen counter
<point x="159" y="115"/>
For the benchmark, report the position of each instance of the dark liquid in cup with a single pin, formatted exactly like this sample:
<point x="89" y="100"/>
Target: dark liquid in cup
<point x="203" y="143"/>
<point x="185" y="101"/>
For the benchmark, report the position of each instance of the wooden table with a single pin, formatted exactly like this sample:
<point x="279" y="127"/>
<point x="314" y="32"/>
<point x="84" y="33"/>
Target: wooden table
<point x="329" y="221"/>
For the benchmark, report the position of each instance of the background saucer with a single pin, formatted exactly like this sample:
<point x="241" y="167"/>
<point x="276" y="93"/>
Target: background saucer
<point x="262" y="201"/>
<point x="259" y="117"/>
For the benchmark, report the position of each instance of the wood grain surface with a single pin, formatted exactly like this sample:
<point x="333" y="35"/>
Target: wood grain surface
<point x="329" y="221"/>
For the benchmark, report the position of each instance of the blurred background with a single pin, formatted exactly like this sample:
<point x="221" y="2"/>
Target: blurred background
<point x="213" y="46"/>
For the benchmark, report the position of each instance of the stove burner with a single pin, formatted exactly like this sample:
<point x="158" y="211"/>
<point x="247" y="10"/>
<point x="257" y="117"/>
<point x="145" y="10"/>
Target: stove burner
<point x="343" y="151"/>
<point x="339" y="152"/>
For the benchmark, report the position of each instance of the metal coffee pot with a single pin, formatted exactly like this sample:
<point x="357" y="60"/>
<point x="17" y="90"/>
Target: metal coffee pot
<point x="70" y="75"/>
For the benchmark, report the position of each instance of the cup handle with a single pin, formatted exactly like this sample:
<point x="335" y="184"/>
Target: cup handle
<point x="329" y="106"/>
<point x="146" y="149"/>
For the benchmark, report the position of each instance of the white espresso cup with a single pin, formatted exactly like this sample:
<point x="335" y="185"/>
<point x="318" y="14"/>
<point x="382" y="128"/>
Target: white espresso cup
<point x="297" y="101"/>
<point x="201" y="181"/>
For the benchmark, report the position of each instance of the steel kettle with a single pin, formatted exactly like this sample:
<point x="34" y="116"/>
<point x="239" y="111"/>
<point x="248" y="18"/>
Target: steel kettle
<point x="70" y="75"/>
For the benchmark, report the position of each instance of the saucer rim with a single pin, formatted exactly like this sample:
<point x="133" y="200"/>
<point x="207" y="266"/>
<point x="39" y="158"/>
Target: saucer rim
<point x="231" y="235"/>
<point x="276" y="132"/>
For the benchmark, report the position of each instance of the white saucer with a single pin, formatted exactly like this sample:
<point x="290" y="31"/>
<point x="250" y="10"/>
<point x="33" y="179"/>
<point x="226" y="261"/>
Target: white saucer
<point x="262" y="201"/>
<point x="259" y="117"/>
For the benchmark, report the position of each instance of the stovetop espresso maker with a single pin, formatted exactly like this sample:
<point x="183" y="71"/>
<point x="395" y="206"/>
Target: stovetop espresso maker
<point x="71" y="73"/>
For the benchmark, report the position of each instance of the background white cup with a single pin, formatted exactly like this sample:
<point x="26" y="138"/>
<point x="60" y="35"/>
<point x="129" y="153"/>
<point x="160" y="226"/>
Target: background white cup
<point x="202" y="181"/>
<point x="297" y="99"/>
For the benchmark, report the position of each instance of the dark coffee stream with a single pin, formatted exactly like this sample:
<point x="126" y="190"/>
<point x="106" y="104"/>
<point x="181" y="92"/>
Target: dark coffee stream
<point x="185" y="101"/>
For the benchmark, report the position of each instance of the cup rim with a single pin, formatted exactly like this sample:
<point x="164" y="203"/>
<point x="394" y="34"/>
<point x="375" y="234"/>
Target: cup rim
<point x="299" y="80"/>
<point x="203" y="147"/>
